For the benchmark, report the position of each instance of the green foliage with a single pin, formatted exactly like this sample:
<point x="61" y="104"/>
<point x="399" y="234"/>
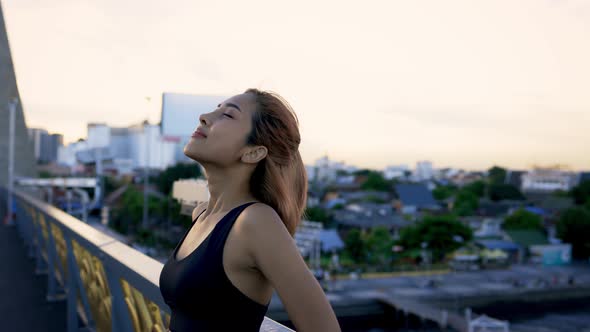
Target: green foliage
<point x="355" y="246"/>
<point x="376" y="181"/>
<point x="443" y="192"/>
<point x="496" y="175"/>
<point x="45" y="174"/>
<point x="128" y="215"/>
<point x="477" y="188"/>
<point x="374" y="199"/>
<point x="110" y="184"/>
<point x="378" y="244"/>
<point x="165" y="179"/>
<point x="146" y="237"/>
<point x="338" y="206"/>
<point x="364" y="171"/>
<point x="316" y="213"/>
<point x="438" y="232"/>
<point x="581" y="192"/>
<point x="467" y="198"/>
<point x="466" y="203"/>
<point x="499" y="192"/>
<point x="574" y="227"/>
<point x="523" y="220"/>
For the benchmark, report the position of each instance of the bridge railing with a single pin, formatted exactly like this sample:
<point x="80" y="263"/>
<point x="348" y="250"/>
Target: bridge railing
<point x="107" y="284"/>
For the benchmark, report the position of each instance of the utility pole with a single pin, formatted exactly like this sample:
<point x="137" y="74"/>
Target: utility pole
<point x="146" y="175"/>
<point x="147" y="165"/>
<point x="9" y="208"/>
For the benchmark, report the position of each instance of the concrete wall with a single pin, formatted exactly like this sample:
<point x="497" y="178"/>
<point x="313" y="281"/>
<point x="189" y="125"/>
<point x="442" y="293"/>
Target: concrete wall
<point x="24" y="164"/>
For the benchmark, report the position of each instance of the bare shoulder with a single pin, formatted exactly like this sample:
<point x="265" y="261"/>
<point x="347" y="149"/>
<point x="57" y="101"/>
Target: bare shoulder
<point x="261" y="220"/>
<point x="275" y="254"/>
<point x="261" y="211"/>
<point x="264" y="229"/>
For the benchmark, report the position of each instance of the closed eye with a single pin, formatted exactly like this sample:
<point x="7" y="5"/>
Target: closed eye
<point x="228" y="115"/>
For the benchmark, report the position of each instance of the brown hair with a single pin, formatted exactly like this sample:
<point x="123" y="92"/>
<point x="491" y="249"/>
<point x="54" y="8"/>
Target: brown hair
<point x="280" y="179"/>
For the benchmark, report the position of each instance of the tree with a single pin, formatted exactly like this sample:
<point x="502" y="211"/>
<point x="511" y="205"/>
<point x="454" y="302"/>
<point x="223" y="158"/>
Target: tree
<point x="496" y="175"/>
<point x="378" y="243"/>
<point x="478" y="188"/>
<point x="573" y="227"/>
<point x="443" y="192"/>
<point x="523" y="220"/>
<point x="442" y="234"/>
<point x="165" y="179"/>
<point x="316" y="213"/>
<point x="376" y="181"/>
<point x="364" y="171"/>
<point x="466" y="203"/>
<point x="498" y="192"/>
<point x="581" y="192"/>
<point x="355" y="246"/>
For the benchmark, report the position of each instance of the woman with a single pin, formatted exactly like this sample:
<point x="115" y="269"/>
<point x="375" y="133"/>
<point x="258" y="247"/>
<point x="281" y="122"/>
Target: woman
<point x="221" y="275"/>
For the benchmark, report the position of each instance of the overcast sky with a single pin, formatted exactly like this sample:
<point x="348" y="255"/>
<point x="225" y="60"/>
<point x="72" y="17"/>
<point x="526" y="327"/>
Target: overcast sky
<point x="461" y="83"/>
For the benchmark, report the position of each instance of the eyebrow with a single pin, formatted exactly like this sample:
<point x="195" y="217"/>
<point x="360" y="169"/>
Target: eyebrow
<point x="231" y="105"/>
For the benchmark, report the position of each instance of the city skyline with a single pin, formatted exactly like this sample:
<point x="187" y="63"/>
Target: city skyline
<point x="463" y="84"/>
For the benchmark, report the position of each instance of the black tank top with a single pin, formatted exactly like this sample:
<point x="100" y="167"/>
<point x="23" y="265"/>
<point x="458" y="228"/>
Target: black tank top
<point x="198" y="291"/>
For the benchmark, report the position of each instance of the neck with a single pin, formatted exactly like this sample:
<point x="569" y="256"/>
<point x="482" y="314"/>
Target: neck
<point x="228" y="188"/>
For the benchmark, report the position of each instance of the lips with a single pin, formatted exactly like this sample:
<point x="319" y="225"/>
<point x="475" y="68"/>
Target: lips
<point x="199" y="133"/>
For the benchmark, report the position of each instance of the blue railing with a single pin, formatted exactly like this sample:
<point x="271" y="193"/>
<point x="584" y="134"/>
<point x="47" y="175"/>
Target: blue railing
<point x="107" y="284"/>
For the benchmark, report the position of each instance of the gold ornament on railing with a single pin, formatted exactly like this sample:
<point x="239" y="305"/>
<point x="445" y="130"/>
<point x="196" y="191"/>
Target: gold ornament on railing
<point x="145" y="314"/>
<point x="94" y="279"/>
<point x="61" y="250"/>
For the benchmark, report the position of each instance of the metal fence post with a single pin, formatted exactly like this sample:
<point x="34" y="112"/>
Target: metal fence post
<point x="72" y="287"/>
<point x="53" y="293"/>
<point x="120" y="317"/>
<point x="40" y="265"/>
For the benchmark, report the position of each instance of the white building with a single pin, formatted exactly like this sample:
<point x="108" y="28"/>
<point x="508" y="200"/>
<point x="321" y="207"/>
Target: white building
<point x="66" y="155"/>
<point x="126" y="148"/>
<point x="547" y="180"/>
<point x="424" y="171"/>
<point x="147" y="143"/>
<point x="326" y="170"/>
<point x="395" y="171"/>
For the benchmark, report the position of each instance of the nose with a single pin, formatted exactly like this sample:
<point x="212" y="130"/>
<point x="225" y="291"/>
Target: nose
<point x="203" y="119"/>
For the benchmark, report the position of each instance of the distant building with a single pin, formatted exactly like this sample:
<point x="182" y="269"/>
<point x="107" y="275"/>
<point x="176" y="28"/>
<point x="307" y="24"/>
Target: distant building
<point x="45" y="145"/>
<point x="412" y="197"/>
<point x="547" y="180"/>
<point x="396" y="172"/>
<point x="369" y="215"/>
<point x="66" y="155"/>
<point x="326" y="171"/>
<point x="424" y="171"/>
<point x="121" y="150"/>
<point x="489" y="227"/>
<point x="514" y="177"/>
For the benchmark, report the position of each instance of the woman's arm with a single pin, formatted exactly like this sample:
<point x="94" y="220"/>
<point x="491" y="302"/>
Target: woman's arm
<point x="275" y="254"/>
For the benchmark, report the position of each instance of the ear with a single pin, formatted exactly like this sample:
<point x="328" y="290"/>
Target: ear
<point x="254" y="154"/>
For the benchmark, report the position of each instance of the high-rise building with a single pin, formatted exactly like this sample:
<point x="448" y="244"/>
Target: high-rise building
<point x="45" y="145"/>
<point x="423" y="171"/>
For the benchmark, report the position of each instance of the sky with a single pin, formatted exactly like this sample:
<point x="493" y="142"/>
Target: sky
<point x="466" y="84"/>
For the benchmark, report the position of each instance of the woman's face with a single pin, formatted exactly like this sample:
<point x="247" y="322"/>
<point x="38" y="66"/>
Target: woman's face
<point x="226" y="129"/>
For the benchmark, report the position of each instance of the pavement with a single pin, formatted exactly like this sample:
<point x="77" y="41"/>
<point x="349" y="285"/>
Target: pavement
<point x="23" y="304"/>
